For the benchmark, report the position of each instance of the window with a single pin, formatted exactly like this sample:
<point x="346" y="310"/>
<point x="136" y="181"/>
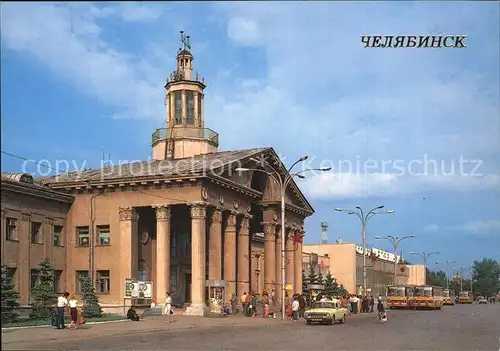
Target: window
<point x="35" y="232"/>
<point x="103" y="237"/>
<point x="33" y="278"/>
<point x="82" y="236"/>
<point x="79" y="277"/>
<point x="11" y="229"/>
<point x="190" y="107"/>
<point x="56" y="233"/>
<point x="102" y="282"/>
<point x="10" y="275"/>
<point x="57" y="281"/>
<point x="200" y="96"/>
<point x="178" y="107"/>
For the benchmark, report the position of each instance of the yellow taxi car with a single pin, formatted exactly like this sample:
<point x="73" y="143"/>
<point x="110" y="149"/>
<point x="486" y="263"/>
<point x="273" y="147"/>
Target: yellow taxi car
<point x="326" y="312"/>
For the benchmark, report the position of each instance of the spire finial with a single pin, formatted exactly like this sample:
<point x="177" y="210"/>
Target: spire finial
<point x="185" y="40"/>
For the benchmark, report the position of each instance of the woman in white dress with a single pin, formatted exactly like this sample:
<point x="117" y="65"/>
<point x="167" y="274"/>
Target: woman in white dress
<point x="168" y="307"/>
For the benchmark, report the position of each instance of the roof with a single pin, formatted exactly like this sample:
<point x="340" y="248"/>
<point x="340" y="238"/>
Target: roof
<point x="206" y="165"/>
<point x="25" y="183"/>
<point x="196" y="165"/>
<point x="184" y="52"/>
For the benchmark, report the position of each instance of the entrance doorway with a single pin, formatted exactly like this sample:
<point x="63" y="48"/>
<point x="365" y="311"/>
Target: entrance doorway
<point x="187" y="280"/>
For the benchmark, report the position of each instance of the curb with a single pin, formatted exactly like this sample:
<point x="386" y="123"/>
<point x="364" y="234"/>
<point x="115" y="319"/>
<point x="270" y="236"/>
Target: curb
<point x="48" y="326"/>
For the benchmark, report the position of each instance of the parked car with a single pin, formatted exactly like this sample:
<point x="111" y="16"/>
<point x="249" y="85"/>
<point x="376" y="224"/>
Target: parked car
<point x="326" y="312"/>
<point x="482" y="300"/>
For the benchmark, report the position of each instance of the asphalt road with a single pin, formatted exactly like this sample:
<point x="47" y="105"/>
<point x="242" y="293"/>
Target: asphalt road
<point x="461" y="327"/>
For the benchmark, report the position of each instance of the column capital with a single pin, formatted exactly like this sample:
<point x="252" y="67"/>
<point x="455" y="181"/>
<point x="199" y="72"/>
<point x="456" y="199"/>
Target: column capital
<point x="269" y="228"/>
<point x="4" y="213"/>
<point x="49" y="220"/>
<point x="198" y="210"/>
<point x="128" y="214"/>
<point x="162" y="212"/>
<point x="245" y="221"/>
<point x="217" y="215"/>
<point x="231" y="219"/>
<point x="26" y="217"/>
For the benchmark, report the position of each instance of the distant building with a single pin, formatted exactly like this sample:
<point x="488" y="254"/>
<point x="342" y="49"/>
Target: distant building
<point x="346" y="265"/>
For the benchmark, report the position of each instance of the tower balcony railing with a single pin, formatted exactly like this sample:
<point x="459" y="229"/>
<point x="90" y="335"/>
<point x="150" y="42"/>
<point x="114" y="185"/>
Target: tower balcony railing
<point x="186" y="132"/>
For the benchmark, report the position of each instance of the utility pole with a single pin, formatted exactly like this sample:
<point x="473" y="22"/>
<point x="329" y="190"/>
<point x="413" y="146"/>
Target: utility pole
<point x="425" y="257"/>
<point x="395" y="241"/>
<point x="364" y="219"/>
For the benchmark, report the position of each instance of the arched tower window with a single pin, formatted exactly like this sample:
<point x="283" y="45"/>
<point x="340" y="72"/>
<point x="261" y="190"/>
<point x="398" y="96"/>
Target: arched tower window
<point x="178" y="107"/>
<point x="200" y="96"/>
<point x="190" y="107"/>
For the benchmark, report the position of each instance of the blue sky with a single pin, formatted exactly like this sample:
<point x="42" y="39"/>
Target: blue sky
<point x="82" y="78"/>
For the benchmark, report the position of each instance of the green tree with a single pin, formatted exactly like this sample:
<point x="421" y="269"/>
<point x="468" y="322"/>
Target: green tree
<point x="312" y="278"/>
<point x="43" y="292"/>
<point x="10" y="298"/>
<point x="436" y="278"/>
<point x="320" y="278"/>
<point x="91" y="306"/>
<point x="486" y="275"/>
<point x="332" y="288"/>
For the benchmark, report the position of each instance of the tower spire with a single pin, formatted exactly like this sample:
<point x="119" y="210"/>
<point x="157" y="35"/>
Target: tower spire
<point x="185" y="134"/>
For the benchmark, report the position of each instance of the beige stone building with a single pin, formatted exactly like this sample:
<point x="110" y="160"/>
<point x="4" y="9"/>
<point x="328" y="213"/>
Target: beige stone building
<point x="346" y="265"/>
<point x="33" y="228"/>
<point x="177" y="220"/>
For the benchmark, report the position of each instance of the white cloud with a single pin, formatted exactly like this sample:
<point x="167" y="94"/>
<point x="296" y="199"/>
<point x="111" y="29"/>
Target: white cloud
<point x="363" y="185"/>
<point x="243" y="31"/>
<point x="431" y="228"/>
<point x="480" y="227"/>
<point x="69" y="43"/>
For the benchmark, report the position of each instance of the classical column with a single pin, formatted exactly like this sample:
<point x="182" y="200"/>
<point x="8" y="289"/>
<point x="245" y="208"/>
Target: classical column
<point x="277" y="265"/>
<point x="129" y="243"/>
<point x="230" y="255"/>
<point x="198" y="259"/>
<point x="214" y="244"/>
<point x="269" y="252"/>
<point x="290" y="262"/>
<point x="299" y="235"/>
<point x="162" y="252"/>
<point x="244" y="256"/>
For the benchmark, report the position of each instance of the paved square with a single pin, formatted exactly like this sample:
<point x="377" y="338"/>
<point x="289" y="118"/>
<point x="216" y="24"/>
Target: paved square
<point x="464" y="327"/>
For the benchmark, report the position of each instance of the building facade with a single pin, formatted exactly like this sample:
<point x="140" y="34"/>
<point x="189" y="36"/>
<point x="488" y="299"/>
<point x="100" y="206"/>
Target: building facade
<point x="184" y="217"/>
<point x="382" y="268"/>
<point x="33" y="228"/>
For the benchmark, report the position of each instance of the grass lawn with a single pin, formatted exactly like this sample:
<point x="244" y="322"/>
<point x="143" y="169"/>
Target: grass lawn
<point x="40" y="322"/>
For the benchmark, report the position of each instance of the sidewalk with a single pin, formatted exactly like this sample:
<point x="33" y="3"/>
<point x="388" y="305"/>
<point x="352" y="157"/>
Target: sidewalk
<point x="20" y="337"/>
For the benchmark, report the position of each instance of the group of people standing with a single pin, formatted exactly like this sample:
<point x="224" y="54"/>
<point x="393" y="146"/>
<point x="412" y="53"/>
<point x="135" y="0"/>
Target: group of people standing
<point x="360" y="304"/>
<point x="64" y="305"/>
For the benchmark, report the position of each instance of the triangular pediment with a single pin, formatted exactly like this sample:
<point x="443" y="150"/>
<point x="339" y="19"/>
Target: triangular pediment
<point x="268" y="187"/>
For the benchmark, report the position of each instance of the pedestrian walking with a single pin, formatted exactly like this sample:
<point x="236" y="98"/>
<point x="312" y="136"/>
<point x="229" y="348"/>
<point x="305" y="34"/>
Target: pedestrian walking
<point x="168" y="307"/>
<point x="73" y="311"/>
<point x="62" y="303"/>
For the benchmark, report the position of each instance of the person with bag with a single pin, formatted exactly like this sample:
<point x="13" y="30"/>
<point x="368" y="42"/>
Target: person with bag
<point x="168" y="307"/>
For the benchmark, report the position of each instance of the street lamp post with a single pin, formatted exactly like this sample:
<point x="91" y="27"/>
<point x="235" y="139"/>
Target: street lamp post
<point x="395" y="241"/>
<point x="364" y="219"/>
<point x="283" y="182"/>
<point x="462" y="270"/>
<point x="447" y="265"/>
<point x="425" y="257"/>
